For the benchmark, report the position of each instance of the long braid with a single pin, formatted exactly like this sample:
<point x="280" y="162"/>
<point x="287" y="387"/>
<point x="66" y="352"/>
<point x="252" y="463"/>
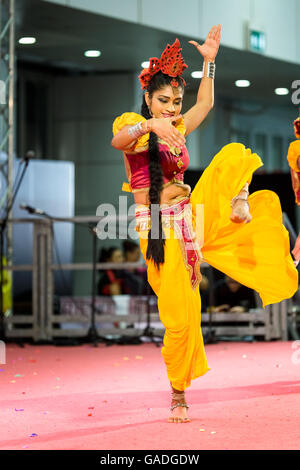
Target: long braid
<point x="297" y="126"/>
<point x="155" y="249"/>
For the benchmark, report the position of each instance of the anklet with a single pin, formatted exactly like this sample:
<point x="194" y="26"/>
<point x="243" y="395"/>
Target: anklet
<point x="178" y="396"/>
<point x="183" y="405"/>
<point x="237" y="197"/>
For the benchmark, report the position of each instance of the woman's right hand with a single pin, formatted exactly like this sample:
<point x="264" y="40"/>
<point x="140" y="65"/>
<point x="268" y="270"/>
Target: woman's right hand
<point x="165" y="130"/>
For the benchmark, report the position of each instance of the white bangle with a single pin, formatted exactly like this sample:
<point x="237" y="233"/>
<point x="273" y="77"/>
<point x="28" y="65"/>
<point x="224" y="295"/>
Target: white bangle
<point x="211" y="69"/>
<point x="136" y="131"/>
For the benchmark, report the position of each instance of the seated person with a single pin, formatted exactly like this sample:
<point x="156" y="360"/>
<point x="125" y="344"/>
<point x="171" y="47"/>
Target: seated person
<point x="231" y="296"/>
<point x="135" y="279"/>
<point x="111" y="281"/>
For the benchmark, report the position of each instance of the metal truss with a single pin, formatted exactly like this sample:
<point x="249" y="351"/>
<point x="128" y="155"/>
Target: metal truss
<point x="7" y="80"/>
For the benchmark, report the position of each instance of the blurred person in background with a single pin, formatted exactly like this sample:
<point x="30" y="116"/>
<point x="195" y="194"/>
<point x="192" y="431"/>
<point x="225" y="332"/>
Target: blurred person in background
<point x="231" y="296"/>
<point x="134" y="278"/>
<point x="111" y="281"/>
<point x="293" y="158"/>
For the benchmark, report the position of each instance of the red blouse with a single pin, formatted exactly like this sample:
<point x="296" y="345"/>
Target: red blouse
<point x="137" y="167"/>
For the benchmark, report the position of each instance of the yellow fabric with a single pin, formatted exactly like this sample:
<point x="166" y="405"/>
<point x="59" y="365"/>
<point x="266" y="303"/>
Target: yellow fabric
<point x="293" y="154"/>
<point x="130" y="119"/>
<point x="180" y="312"/>
<point x="256" y="254"/>
<point x="6" y="288"/>
<point x="126" y="187"/>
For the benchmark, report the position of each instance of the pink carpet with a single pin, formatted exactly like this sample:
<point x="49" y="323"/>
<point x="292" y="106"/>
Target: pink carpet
<point x="117" y="397"/>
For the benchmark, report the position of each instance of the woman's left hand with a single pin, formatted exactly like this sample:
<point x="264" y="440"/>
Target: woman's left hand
<point x="210" y="47"/>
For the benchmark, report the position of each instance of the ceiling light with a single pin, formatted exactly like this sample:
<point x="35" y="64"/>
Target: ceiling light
<point x="197" y="74"/>
<point x="281" y="91"/>
<point x="242" y="83"/>
<point x="145" y="64"/>
<point x="92" y="53"/>
<point x="27" y="40"/>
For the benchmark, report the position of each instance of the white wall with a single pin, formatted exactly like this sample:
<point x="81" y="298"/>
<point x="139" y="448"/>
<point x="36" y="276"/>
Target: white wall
<point x="279" y="18"/>
<point x="281" y="22"/>
<point x="232" y="15"/>
<point x="121" y="9"/>
<point x="176" y="16"/>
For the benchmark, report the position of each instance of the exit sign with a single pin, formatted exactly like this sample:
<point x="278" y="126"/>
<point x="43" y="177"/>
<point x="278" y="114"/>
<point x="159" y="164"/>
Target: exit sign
<point x="257" y="41"/>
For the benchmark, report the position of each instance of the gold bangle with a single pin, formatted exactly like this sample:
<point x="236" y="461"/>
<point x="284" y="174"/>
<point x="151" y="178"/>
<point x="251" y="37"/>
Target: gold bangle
<point x="145" y="127"/>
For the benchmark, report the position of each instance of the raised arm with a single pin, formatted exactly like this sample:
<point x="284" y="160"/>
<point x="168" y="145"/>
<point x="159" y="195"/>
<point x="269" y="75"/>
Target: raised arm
<point x="205" y="97"/>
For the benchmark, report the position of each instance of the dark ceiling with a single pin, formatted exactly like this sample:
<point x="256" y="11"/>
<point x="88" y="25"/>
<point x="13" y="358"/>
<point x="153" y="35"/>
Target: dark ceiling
<point x="64" y="33"/>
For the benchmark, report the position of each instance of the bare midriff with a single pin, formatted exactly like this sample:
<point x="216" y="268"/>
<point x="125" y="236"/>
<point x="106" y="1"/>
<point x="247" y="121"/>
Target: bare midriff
<point x="168" y="195"/>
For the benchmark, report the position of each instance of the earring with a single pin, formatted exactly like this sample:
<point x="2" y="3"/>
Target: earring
<point x="150" y="111"/>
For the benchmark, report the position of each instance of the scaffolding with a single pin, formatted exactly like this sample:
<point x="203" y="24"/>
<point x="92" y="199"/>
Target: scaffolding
<point x="7" y="91"/>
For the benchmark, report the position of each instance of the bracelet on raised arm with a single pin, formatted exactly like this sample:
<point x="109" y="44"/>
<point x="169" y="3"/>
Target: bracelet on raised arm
<point x="211" y="70"/>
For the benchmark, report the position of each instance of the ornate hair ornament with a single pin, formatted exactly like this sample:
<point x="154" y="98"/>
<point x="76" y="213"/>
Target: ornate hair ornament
<point x="170" y="63"/>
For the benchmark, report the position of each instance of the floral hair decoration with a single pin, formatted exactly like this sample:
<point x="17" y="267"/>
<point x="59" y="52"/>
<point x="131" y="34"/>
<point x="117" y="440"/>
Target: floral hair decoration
<point x="170" y="63"/>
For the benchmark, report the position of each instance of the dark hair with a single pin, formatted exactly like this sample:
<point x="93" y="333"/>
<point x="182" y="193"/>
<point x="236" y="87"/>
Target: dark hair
<point x="155" y="249"/>
<point x="129" y="246"/>
<point x="297" y="125"/>
<point x="106" y="254"/>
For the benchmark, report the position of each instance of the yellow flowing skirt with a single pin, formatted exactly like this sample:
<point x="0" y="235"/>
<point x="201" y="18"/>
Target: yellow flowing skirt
<point x="256" y="254"/>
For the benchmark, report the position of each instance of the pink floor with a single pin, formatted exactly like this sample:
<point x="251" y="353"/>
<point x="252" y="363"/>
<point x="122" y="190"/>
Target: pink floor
<point x="117" y="397"/>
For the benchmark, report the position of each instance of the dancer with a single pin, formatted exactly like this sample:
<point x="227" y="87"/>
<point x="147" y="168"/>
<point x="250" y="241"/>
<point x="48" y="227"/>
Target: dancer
<point x="179" y="229"/>
<point x="293" y="157"/>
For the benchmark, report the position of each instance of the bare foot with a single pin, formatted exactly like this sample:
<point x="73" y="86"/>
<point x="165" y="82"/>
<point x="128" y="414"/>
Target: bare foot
<point x="178" y="414"/>
<point x="240" y="212"/>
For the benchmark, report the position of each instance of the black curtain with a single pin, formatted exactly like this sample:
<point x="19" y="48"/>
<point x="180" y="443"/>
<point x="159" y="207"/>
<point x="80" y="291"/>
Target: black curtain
<point x="280" y="183"/>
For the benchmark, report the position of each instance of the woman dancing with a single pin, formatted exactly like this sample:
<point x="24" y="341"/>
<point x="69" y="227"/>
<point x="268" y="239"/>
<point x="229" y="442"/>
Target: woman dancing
<point x="179" y="229"/>
<point x="293" y="158"/>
